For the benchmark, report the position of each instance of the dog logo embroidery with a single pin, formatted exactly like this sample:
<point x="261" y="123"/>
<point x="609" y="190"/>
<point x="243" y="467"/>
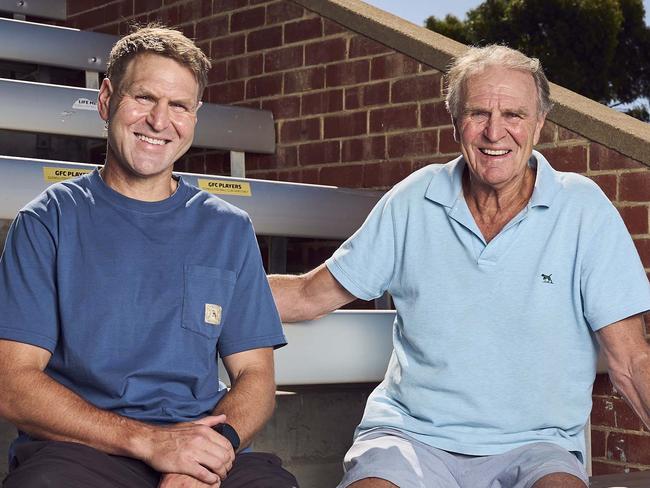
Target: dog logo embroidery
<point x="212" y="314"/>
<point x="546" y="278"/>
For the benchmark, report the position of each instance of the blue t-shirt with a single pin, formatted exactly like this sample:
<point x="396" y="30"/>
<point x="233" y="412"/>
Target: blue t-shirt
<point x="494" y="343"/>
<point x="135" y="299"/>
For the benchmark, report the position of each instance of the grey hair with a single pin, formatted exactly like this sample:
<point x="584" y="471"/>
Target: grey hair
<point x="477" y="59"/>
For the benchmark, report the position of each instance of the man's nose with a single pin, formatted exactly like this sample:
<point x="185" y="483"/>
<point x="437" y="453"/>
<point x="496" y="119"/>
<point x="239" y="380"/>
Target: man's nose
<point x="494" y="128"/>
<point x="158" y="116"/>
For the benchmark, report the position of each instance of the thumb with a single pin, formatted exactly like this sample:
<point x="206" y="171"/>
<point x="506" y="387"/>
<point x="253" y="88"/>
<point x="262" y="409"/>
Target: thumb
<point x="212" y="420"/>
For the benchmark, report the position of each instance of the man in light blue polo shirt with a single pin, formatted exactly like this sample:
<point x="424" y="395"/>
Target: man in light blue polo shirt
<point x="505" y="275"/>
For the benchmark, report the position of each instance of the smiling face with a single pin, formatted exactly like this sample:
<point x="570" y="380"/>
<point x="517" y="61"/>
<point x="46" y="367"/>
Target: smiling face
<point x="498" y="126"/>
<point x="151" y="119"/>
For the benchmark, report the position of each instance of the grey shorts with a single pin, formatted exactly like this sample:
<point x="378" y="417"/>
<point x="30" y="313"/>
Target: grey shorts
<point x="393" y="456"/>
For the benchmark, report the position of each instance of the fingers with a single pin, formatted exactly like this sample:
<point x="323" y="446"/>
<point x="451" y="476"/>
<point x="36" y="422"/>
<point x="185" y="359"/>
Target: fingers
<point x="211" y="420"/>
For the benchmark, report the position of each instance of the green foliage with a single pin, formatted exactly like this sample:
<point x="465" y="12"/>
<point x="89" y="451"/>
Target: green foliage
<point x="599" y="48"/>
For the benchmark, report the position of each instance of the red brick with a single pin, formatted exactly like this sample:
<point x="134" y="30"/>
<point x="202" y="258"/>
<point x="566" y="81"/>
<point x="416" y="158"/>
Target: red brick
<point x="319" y="153"/>
<point x="330" y="28"/>
<point x="393" y="66"/>
<point x="391" y="118"/>
<point x="599" y="467"/>
<point x="447" y="144"/>
<point x="635" y="187"/>
<point x="565" y="134"/>
<point x="283" y="59"/>
<point x="568" y="158"/>
<point x="636" y="219"/>
<point x="283" y="11"/>
<point x="93" y="18"/>
<point x="643" y="247"/>
<point x="349" y="73"/>
<point x="286" y="157"/>
<point x="300" y="130"/>
<point x="367" y="95"/>
<point x="228" y="46"/>
<point x="304" y="80"/>
<point x="364" y="149"/>
<point x="416" y="88"/>
<point x="547" y="135"/>
<point x="434" y="114"/>
<point x="212" y="27"/>
<point x="344" y="176"/>
<point x="348" y="124"/>
<point x="601" y="158"/>
<point x="112" y="29"/>
<point x="309" y="175"/>
<point x="327" y="51"/>
<point x="602" y="412"/>
<point x="598" y="443"/>
<point x="217" y="164"/>
<point x="227" y="92"/>
<point x="168" y="16"/>
<point x="264" y="39"/>
<point x="422" y="143"/>
<point x="607" y="183"/>
<point x="74" y="7"/>
<point x="142" y="6"/>
<point x="247" y="19"/>
<point x="264" y="86"/>
<point x="266" y="175"/>
<point x="628" y="448"/>
<point x="245" y="67"/>
<point x="227" y="5"/>
<point x="322" y="102"/>
<point x="188" y="30"/>
<point x="283" y="108"/>
<point x="602" y="386"/>
<point x="385" y="174"/>
<point x="303" y="30"/>
<point x="218" y="72"/>
<point x="364" y="46"/>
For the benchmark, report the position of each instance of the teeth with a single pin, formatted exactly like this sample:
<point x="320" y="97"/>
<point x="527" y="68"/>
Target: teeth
<point x="150" y="140"/>
<point x="495" y="152"/>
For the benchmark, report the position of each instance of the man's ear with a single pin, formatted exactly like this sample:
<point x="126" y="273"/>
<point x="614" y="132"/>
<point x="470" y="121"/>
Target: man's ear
<point x="104" y="99"/>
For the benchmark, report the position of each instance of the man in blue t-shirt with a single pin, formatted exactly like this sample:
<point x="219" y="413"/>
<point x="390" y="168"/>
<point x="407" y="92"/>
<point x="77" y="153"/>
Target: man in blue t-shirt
<point x="118" y="290"/>
<point x="505" y="275"/>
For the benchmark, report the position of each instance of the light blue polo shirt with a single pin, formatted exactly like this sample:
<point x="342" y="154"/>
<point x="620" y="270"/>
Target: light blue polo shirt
<point x="494" y="343"/>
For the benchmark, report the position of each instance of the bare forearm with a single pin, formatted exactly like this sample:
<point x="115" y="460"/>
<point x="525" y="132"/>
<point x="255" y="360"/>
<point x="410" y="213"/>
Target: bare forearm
<point x="634" y="385"/>
<point x="249" y="404"/>
<point x="308" y="296"/>
<point x="45" y="409"/>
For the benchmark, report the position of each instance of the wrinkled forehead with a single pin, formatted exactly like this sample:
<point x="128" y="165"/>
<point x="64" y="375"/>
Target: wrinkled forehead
<point x="491" y="81"/>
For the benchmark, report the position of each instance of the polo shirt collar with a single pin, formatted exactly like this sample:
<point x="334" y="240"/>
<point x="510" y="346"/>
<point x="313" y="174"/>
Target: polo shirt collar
<point x="445" y="187"/>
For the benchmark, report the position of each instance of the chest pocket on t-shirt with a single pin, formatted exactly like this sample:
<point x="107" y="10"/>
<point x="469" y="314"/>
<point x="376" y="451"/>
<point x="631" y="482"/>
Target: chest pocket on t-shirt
<point x="206" y="298"/>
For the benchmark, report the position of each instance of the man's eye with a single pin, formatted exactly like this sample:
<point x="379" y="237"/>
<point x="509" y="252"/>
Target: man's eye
<point x="143" y="98"/>
<point x="178" y="107"/>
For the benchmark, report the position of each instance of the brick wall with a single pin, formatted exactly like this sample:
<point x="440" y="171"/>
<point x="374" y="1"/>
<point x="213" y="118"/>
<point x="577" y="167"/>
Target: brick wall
<point x="352" y="112"/>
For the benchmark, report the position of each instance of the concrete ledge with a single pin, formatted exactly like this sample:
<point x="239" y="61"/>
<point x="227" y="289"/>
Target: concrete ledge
<point x="586" y="117"/>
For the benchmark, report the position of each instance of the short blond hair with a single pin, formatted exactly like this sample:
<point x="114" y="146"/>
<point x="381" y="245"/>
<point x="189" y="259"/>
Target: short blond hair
<point x="477" y="59"/>
<point x="157" y="39"/>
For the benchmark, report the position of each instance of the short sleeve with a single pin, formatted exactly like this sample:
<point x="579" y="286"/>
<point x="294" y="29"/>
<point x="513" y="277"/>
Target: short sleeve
<point x="252" y="321"/>
<point x="28" y="294"/>
<point x="364" y="264"/>
<point x="613" y="285"/>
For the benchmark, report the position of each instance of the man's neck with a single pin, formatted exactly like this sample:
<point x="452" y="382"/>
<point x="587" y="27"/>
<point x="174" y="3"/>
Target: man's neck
<point x="147" y="189"/>
<point x="493" y="208"/>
